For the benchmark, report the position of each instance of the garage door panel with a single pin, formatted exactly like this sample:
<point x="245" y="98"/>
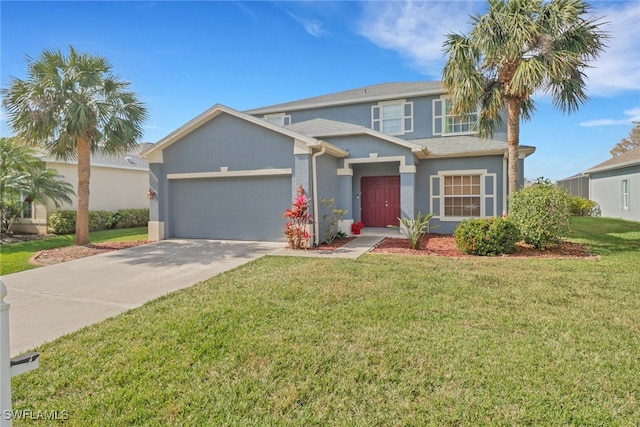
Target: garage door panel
<point x="242" y="208"/>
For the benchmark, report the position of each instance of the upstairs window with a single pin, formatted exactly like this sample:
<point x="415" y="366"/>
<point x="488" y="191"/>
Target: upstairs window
<point x="392" y="118"/>
<point x="279" y="119"/>
<point x="625" y="194"/>
<point x="445" y="123"/>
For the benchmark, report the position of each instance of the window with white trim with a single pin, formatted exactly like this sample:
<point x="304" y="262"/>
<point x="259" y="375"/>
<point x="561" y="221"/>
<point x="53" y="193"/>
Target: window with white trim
<point x="459" y="194"/>
<point x="27" y="210"/>
<point x="462" y="196"/>
<point x="624" y="191"/>
<point x="280" y="119"/>
<point x="392" y="117"/>
<point x="446" y="123"/>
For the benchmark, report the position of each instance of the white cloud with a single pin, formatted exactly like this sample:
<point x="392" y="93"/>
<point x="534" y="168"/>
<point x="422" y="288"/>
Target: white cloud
<point x="633" y="116"/>
<point x="415" y="29"/>
<point x="311" y="26"/>
<point x="618" y="68"/>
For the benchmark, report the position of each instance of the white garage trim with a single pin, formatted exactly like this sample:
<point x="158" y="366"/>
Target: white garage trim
<point x="226" y="173"/>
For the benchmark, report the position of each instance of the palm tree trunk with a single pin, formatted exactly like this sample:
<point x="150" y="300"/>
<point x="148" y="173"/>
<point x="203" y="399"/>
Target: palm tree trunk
<point x="513" y="139"/>
<point x="84" y="174"/>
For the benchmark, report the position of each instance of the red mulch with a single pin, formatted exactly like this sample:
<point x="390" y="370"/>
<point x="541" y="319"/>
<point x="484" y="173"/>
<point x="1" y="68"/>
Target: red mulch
<point x="445" y="245"/>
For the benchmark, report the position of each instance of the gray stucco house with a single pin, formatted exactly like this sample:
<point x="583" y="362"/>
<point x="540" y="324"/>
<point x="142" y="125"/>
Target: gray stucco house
<point x="383" y="151"/>
<point x="615" y="185"/>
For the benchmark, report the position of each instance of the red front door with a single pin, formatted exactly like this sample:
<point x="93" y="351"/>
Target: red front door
<point x="380" y="202"/>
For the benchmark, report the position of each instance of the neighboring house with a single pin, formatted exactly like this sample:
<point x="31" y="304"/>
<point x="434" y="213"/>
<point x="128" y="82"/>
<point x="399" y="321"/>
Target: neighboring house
<point x="615" y="185"/>
<point x="117" y="182"/>
<point x="576" y="185"/>
<point x="383" y="151"/>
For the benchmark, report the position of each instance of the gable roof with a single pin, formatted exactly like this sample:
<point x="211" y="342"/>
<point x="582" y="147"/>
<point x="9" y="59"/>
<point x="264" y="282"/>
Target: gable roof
<point x="463" y="145"/>
<point x="628" y="158"/>
<point x="218" y="109"/>
<point x="377" y="92"/>
<point x="326" y="128"/>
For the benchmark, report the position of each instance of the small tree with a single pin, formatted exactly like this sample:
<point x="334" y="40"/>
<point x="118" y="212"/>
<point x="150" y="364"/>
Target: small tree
<point x="296" y="229"/>
<point x="332" y="219"/>
<point x="542" y="213"/>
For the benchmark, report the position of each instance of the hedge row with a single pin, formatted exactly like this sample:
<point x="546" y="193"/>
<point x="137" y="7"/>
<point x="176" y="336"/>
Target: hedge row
<point x="64" y="222"/>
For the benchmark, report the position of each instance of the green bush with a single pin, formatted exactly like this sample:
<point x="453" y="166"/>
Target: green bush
<point x="487" y="236"/>
<point x="542" y="213"/>
<point x="129" y="218"/>
<point x="64" y="222"/>
<point x="583" y="207"/>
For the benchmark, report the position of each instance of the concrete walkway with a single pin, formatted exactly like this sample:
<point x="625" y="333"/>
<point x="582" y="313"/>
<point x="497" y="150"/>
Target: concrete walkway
<point x="353" y="249"/>
<point x="49" y="302"/>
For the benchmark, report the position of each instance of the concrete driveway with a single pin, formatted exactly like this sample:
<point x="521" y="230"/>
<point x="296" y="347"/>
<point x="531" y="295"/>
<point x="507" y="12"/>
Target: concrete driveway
<point x="49" y="302"/>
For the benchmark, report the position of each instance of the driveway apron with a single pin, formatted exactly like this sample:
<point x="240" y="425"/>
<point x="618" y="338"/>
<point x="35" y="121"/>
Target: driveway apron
<point x="49" y="302"/>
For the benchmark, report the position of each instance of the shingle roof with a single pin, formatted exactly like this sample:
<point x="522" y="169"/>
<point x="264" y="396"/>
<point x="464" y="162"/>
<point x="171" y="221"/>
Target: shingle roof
<point x="322" y="127"/>
<point x="450" y="146"/>
<point x="368" y="93"/>
<point x="131" y="160"/>
<point x="628" y="158"/>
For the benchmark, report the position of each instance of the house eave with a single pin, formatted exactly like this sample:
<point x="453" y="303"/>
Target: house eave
<point x="612" y="167"/>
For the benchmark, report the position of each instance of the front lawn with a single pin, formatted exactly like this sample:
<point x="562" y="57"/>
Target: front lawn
<point x="15" y="257"/>
<point x="383" y="340"/>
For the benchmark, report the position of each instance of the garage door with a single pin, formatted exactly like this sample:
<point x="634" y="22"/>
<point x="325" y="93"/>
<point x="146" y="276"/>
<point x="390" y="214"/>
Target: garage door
<point x="239" y="208"/>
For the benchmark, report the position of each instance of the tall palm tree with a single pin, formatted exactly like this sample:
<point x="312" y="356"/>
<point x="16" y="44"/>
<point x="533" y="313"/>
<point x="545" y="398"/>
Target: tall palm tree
<point x="519" y="48"/>
<point x="72" y="106"/>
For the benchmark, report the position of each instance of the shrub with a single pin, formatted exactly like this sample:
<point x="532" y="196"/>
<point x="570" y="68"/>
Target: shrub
<point x="128" y="218"/>
<point x="542" y="213"/>
<point x="583" y="207"/>
<point x="487" y="236"/>
<point x="62" y="222"/>
<point x="414" y="229"/>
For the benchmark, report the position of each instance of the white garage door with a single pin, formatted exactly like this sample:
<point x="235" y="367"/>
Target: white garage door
<point x="239" y="208"/>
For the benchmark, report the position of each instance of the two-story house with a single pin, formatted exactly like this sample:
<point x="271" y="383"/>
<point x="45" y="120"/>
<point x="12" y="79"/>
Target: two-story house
<point x="383" y="152"/>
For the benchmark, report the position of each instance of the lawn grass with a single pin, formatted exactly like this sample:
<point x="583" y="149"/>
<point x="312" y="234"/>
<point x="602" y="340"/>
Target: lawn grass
<point x="382" y="340"/>
<point x="15" y="257"/>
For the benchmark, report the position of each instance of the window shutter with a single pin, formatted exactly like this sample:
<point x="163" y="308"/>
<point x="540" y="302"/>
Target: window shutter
<point x="435" y="196"/>
<point x="437" y="117"/>
<point x="375" y="118"/>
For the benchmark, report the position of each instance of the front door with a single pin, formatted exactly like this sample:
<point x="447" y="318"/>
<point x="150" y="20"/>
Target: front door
<point x="380" y="202"/>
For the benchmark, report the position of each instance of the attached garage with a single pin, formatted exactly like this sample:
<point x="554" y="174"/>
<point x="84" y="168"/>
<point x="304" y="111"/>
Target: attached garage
<point x="238" y="208"/>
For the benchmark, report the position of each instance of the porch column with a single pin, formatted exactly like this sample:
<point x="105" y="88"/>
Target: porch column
<point x="407" y="194"/>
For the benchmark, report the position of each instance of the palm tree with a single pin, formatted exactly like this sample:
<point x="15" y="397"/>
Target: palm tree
<point x="519" y="48"/>
<point x="72" y="106"/>
<point x="25" y="179"/>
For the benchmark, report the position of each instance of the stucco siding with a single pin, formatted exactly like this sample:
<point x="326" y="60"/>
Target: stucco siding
<point x="605" y="188"/>
<point x="327" y="189"/>
<point x="227" y="141"/>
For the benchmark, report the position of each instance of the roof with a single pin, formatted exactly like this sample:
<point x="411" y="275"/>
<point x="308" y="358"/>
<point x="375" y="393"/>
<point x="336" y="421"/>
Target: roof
<point x="218" y="109"/>
<point x="460" y="146"/>
<point x="130" y="160"/>
<point x="377" y="92"/>
<point x="326" y="128"/>
<point x="626" y="159"/>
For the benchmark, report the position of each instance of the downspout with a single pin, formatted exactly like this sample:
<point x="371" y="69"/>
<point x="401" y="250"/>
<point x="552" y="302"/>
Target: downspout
<point x="316" y="229"/>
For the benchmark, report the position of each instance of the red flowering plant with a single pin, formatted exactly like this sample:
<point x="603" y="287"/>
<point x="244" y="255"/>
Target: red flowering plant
<point x="356" y="227"/>
<point x="298" y="217"/>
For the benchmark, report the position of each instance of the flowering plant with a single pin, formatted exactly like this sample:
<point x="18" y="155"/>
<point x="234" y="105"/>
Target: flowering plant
<point x="295" y="229"/>
<point x="356" y="227"/>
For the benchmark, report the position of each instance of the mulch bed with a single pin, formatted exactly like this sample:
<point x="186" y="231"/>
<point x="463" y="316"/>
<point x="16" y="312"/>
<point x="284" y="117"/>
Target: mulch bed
<point x="69" y="253"/>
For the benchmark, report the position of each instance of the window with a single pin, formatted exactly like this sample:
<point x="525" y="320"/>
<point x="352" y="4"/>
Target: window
<point x="625" y="194"/>
<point x="279" y="119"/>
<point x="393" y="118"/>
<point x="462" y="195"/>
<point x="445" y="123"/>
<point x="27" y="210"/>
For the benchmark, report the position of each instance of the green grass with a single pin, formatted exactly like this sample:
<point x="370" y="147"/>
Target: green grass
<point x="384" y="340"/>
<point x="15" y="257"/>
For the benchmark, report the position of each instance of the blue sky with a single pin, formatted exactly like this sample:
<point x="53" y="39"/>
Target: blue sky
<point x="184" y="57"/>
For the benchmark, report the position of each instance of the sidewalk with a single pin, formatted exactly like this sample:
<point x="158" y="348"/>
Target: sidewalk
<point x="354" y="249"/>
